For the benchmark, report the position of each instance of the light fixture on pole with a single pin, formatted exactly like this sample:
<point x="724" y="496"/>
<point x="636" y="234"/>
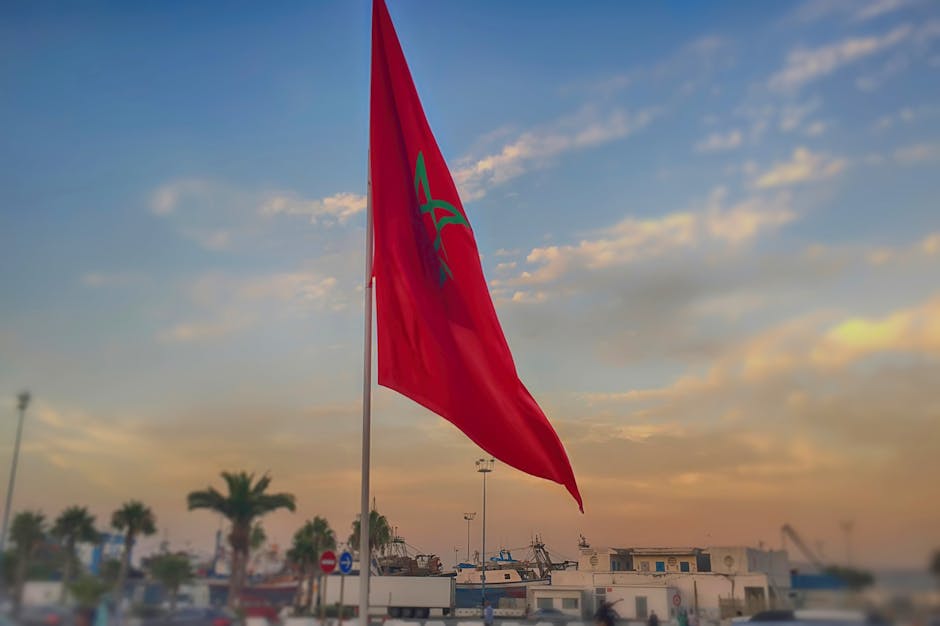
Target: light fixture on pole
<point x="484" y="466"/>
<point x="22" y="403"/>
<point x="469" y="517"/>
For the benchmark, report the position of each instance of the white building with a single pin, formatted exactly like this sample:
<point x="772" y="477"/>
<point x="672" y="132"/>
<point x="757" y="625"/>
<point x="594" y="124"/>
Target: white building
<point x="714" y="583"/>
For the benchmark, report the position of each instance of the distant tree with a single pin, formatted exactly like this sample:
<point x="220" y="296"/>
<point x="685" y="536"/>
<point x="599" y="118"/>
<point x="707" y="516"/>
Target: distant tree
<point x="380" y="535"/>
<point x="311" y="539"/>
<point x="75" y="525"/>
<point x="854" y="579"/>
<point x="246" y="502"/>
<point x="28" y="532"/>
<point x="110" y="570"/>
<point x="172" y="570"/>
<point x="258" y="537"/>
<point x="133" y="519"/>
<point x="88" y="591"/>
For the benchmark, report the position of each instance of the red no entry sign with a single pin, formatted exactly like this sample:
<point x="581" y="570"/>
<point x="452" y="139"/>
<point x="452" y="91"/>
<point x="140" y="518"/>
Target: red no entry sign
<point x="328" y="561"/>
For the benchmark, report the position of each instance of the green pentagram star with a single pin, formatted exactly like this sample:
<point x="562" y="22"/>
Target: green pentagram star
<point x="450" y="214"/>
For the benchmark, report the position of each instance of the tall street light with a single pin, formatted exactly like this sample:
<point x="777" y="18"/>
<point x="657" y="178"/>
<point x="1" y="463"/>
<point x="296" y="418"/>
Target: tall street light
<point x="484" y="466"/>
<point x="22" y="403"/>
<point x="469" y="517"/>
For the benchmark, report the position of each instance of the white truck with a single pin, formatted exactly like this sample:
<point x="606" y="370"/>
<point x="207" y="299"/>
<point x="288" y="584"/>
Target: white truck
<point x="395" y="596"/>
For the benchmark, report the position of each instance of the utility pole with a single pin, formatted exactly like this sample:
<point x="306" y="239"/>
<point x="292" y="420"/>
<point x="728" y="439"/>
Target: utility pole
<point x="469" y="517"/>
<point x="847" y="527"/>
<point x="484" y="466"/>
<point x="22" y="403"/>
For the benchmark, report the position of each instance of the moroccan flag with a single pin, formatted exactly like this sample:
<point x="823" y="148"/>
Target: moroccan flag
<point x="439" y="341"/>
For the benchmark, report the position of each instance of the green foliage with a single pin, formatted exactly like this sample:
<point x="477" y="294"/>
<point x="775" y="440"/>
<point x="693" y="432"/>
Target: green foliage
<point x="110" y="570"/>
<point x="246" y="502"/>
<point x="257" y="537"/>
<point x="28" y="531"/>
<point x="75" y="525"/>
<point x="380" y="532"/>
<point x="87" y="591"/>
<point x="134" y="518"/>
<point x="171" y="570"/>
<point x="310" y="540"/>
<point x="854" y="579"/>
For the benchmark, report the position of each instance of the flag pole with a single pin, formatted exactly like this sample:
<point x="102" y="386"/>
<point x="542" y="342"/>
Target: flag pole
<point x="365" y="554"/>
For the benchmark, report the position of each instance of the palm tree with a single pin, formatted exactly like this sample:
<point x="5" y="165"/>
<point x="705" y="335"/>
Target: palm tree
<point x="75" y="525"/>
<point x="380" y="534"/>
<point x="133" y="519"/>
<point x="246" y="501"/>
<point x="310" y="540"/>
<point x="172" y="570"/>
<point x="27" y="532"/>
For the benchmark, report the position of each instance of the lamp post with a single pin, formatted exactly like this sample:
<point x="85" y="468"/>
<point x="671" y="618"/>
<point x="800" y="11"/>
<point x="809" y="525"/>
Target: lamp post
<point x="22" y="403"/>
<point x="484" y="466"/>
<point x="469" y="517"/>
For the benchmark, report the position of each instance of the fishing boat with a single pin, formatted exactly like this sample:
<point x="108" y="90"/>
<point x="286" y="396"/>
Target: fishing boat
<point x="507" y="579"/>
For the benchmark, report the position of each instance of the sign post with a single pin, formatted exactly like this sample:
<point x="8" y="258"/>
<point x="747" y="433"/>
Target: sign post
<point x="345" y="566"/>
<point x="327" y="565"/>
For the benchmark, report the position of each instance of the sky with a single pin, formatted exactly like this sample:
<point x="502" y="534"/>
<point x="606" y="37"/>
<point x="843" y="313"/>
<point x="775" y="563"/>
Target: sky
<point x="711" y="232"/>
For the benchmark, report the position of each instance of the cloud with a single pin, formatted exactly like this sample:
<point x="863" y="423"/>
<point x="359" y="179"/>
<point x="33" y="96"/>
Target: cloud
<point x="877" y="8"/>
<point x="917" y="153"/>
<point x="806" y="65"/>
<point x="97" y="280"/>
<point x="716" y="142"/>
<point x="632" y="239"/>
<point x="915" y="330"/>
<point x="199" y="331"/>
<point x="215" y="241"/>
<point x="475" y="176"/>
<point x="227" y="304"/>
<point x="804" y="166"/>
<point x="337" y="208"/>
<point x="167" y="198"/>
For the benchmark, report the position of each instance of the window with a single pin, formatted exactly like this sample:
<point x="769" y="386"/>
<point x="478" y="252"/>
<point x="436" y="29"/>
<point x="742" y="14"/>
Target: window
<point x="660" y="566"/>
<point x="644" y="566"/>
<point x="684" y="566"/>
<point x="544" y="603"/>
<point x="569" y="603"/>
<point x="614" y="565"/>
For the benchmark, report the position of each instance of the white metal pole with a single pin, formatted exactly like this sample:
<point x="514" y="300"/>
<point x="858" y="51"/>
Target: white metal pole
<point x="23" y="403"/>
<point x="483" y="547"/>
<point x="365" y="554"/>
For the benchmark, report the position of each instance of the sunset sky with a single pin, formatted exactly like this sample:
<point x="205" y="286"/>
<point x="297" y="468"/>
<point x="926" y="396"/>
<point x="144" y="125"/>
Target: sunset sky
<point x="712" y="233"/>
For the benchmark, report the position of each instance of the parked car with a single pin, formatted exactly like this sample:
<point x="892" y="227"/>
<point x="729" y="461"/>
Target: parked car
<point x="259" y="607"/>
<point x="550" y="615"/>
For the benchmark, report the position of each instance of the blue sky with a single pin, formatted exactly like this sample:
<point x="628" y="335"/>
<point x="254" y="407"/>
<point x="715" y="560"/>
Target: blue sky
<point x="711" y="233"/>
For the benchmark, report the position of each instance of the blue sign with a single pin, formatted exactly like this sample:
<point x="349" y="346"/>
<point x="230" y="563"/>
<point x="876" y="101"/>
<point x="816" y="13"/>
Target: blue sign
<point x="345" y="562"/>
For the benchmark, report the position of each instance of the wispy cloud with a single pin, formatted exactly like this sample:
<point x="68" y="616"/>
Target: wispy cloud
<point x="337" y="208"/>
<point x="475" y="176"/>
<point x="806" y="65"/>
<point x="166" y="198"/>
<point x="717" y="142"/>
<point x="108" y="279"/>
<point x="804" y="166"/>
<point x="633" y="239"/>
<point x="917" y="153"/>
<point x="223" y="305"/>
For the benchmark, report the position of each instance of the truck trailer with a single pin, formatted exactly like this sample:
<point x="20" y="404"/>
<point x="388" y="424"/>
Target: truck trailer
<point x="395" y="596"/>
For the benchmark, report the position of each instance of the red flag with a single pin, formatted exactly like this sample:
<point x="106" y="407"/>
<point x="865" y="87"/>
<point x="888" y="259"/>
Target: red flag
<point x="439" y="341"/>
